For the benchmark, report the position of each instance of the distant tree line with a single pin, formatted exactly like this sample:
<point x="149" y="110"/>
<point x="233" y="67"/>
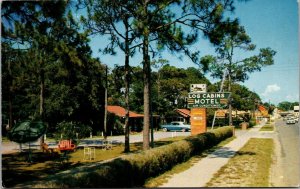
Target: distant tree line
<point x="286" y="106"/>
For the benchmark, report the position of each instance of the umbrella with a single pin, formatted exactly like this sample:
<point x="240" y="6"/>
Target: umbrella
<point x="27" y="131"/>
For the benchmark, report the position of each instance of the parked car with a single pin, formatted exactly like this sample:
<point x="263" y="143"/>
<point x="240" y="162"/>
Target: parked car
<point x="290" y="120"/>
<point x="296" y="119"/>
<point x="176" y="126"/>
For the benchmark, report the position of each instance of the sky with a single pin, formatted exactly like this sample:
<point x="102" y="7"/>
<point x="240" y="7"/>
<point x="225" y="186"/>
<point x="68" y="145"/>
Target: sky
<point x="269" y="23"/>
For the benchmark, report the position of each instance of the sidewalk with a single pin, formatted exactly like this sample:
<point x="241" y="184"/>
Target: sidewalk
<point x="202" y="171"/>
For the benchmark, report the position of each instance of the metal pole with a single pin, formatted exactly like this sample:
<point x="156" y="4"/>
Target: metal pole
<point x="221" y="89"/>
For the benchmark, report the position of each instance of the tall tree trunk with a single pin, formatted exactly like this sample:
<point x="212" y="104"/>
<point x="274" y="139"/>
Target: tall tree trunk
<point x="127" y="68"/>
<point x="42" y="90"/>
<point x="146" y="77"/>
<point x="229" y="83"/>
<point x="10" y="109"/>
<point x="10" y="98"/>
<point x="105" y="106"/>
<point x="229" y="103"/>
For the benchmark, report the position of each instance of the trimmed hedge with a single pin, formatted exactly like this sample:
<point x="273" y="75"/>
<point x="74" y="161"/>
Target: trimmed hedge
<point x="133" y="170"/>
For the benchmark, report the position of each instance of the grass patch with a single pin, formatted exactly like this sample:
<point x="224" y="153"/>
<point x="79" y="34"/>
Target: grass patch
<point x="163" y="178"/>
<point x="267" y="127"/>
<point x="133" y="170"/>
<point x="250" y="167"/>
<point x="16" y="169"/>
<point x="5" y="139"/>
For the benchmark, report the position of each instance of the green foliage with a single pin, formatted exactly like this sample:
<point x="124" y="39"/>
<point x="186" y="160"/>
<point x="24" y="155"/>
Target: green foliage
<point x="242" y="99"/>
<point x="252" y="122"/>
<point x="72" y="130"/>
<point x="238" y="70"/>
<point x="72" y="79"/>
<point x="286" y="106"/>
<point x="114" y="124"/>
<point x="170" y="87"/>
<point x="133" y="170"/>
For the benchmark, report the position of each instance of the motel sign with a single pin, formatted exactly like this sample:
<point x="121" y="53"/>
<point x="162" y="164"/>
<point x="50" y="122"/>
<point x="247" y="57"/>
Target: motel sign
<point x="208" y="100"/>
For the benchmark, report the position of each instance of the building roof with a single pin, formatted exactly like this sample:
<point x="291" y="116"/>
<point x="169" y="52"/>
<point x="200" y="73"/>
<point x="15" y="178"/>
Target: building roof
<point x="184" y="112"/>
<point x="120" y="111"/>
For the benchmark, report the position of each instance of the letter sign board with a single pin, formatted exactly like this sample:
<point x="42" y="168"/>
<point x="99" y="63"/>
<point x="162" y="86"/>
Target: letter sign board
<point x="198" y="88"/>
<point x="208" y="100"/>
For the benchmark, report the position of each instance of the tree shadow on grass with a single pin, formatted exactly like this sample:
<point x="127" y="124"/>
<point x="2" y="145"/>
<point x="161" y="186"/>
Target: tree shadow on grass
<point x="226" y="152"/>
<point x="16" y="169"/>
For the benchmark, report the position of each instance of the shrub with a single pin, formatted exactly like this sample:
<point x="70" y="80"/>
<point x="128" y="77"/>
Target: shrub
<point x="72" y="130"/>
<point x="133" y="170"/>
<point x="252" y="123"/>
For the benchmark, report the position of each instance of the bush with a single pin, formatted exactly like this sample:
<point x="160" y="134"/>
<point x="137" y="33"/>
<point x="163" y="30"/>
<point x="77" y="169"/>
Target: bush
<point x="133" y="170"/>
<point x="252" y="123"/>
<point x="72" y="130"/>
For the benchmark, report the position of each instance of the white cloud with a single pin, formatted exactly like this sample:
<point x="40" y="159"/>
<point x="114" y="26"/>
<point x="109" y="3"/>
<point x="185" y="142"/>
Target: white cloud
<point x="271" y="89"/>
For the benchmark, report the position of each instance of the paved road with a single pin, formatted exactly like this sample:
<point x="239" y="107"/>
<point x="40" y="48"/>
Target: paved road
<point x="157" y="135"/>
<point x="288" y="136"/>
<point x="10" y="147"/>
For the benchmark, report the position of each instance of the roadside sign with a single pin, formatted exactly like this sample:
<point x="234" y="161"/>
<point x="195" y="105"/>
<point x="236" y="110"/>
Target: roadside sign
<point x="208" y="100"/>
<point x="198" y="121"/>
<point x="200" y="88"/>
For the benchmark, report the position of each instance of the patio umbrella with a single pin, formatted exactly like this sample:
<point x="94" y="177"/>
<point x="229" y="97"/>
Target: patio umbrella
<point x="27" y="131"/>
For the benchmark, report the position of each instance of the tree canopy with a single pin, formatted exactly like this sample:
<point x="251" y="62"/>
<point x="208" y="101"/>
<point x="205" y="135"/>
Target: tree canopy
<point x="48" y="63"/>
<point x="49" y="72"/>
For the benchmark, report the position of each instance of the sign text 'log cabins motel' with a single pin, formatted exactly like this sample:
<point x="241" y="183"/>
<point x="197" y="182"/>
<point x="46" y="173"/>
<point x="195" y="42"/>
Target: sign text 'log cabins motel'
<point x="208" y="100"/>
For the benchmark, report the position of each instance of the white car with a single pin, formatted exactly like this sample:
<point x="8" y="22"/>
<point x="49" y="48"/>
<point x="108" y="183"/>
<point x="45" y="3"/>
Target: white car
<point x="290" y="120"/>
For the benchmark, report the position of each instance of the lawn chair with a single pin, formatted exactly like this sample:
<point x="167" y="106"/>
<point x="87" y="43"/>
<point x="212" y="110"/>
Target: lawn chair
<point x="46" y="148"/>
<point x="65" y="146"/>
<point x="88" y="153"/>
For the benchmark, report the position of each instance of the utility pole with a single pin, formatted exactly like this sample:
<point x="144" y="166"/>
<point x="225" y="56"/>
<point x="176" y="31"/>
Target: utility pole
<point x="221" y="89"/>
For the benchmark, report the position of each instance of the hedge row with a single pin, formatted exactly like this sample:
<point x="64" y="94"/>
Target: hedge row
<point x="133" y="170"/>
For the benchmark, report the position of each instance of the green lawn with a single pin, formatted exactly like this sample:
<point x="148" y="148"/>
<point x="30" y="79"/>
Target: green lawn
<point x="16" y="169"/>
<point x="267" y="127"/>
<point x="250" y="167"/>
